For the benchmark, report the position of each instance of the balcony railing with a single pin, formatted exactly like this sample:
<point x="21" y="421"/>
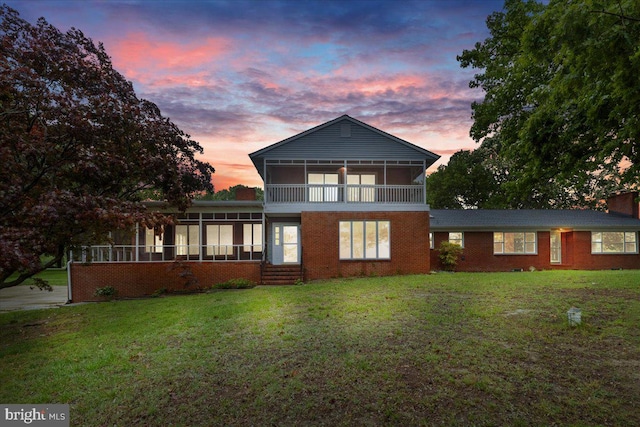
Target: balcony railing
<point x="340" y="193"/>
<point x="142" y="253"/>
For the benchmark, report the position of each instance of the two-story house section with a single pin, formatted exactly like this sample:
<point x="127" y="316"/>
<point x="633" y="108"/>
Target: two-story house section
<point x="345" y="199"/>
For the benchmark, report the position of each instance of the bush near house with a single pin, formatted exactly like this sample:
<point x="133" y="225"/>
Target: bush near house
<point x="449" y="255"/>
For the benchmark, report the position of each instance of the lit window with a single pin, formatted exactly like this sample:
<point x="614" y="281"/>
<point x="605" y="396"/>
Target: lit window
<point x="252" y="237"/>
<point x="364" y="240"/>
<point x="187" y="240"/>
<point x="219" y="239"/>
<point x="323" y="187"/>
<point x="431" y="244"/>
<point x="152" y="241"/>
<point x="514" y="243"/>
<point x="457" y="238"/>
<point x="611" y="242"/>
<point x="361" y="188"/>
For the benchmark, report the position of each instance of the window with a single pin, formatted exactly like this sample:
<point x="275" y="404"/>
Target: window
<point x="364" y="240"/>
<point x="252" y="237"/>
<point x="611" y="242"/>
<point x="187" y="239"/>
<point x="514" y="243"/>
<point x="431" y="244"/>
<point x="361" y="188"/>
<point x="457" y="238"/>
<point x="323" y="187"/>
<point x="152" y="241"/>
<point x="219" y="239"/>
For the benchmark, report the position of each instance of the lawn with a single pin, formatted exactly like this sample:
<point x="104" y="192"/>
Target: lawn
<point x="442" y="349"/>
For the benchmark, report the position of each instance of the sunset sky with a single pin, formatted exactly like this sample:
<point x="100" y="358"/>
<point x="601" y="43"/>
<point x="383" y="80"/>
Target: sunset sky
<point x="238" y="75"/>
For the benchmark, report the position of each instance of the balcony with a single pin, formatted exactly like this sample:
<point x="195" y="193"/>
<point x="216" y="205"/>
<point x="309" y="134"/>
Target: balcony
<point x="292" y="197"/>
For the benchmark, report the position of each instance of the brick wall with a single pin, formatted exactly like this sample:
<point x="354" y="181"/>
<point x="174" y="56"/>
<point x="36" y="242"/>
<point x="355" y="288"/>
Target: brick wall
<point x="409" y="244"/>
<point x="137" y="279"/>
<point x="576" y="254"/>
<point x="624" y="204"/>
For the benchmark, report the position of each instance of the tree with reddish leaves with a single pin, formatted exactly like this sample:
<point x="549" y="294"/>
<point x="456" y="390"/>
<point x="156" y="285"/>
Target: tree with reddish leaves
<point x="78" y="149"/>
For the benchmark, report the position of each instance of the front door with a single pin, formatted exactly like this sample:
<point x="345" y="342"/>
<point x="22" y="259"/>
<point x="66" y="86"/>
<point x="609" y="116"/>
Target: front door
<point x="556" y="247"/>
<point x="286" y="243"/>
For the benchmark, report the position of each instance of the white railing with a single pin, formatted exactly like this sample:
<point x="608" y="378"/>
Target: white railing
<point x="335" y="193"/>
<point x="142" y="253"/>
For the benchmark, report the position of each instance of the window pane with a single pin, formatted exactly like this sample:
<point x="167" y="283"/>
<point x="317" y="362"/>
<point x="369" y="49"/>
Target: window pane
<point x="384" y="250"/>
<point x="498" y="237"/>
<point x="257" y="237"/>
<point x="371" y="239"/>
<point x="497" y="248"/>
<point x="226" y="240"/>
<point x="181" y="239"/>
<point x="613" y="241"/>
<point x="357" y="238"/>
<point x="194" y="240"/>
<point x="345" y="239"/>
<point x="530" y="248"/>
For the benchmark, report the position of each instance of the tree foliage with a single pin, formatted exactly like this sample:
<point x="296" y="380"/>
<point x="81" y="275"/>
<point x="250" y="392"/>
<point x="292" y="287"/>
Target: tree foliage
<point x="562" y="98"/>
<point x="77" y="148"/>
<point x="471" y="179"/>
<point x="229" y="194"/>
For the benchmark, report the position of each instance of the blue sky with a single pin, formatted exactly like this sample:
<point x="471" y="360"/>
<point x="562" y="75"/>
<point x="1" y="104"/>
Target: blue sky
<point x="238" y="75"/>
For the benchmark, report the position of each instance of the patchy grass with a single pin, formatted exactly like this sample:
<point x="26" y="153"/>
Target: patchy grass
<point x="453" y="349"/>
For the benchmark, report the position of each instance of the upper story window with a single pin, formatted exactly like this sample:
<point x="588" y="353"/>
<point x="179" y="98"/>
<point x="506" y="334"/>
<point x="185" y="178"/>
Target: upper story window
<point x="514" y="243"/>
<point x="323" y="187"/>
<point x="612" y="242"/>
<point x="361" y="187"/>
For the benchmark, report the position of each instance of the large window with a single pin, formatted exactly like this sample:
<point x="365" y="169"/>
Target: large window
<point x="611" y="242"/>
<point x="187" y="239"/>
<point x="457" y="238"/>
<point x="219" y="239"/>
<point x="323" y="187"/>
<point x="514" y="243"/>
<point x="152" y="241"/>
<point x="252" y="237"/>
<point x="364" y="240"/>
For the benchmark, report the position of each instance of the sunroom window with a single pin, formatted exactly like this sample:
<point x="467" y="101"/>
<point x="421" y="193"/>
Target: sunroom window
<point x="219" y="239"/>
<point x="187" y="239"/>
<point x="611" y="242"/>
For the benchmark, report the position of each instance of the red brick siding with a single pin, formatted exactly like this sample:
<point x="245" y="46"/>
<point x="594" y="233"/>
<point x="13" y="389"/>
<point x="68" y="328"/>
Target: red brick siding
<point x="409" y="241"/>
<point x="137" y="279"/>
<point x="624" y="204"/>
<point x="576" y="254"/>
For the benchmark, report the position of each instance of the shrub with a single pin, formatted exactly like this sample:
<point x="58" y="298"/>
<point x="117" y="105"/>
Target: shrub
<point x="235" y="284"/>
<point x="449" y="254"/>
<point x="106" y="292"/>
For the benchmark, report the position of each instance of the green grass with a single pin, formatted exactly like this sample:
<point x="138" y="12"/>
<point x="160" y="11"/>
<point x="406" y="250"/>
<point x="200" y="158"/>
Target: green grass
<point x="443" y="349"/>
<point x="54" y="277"/>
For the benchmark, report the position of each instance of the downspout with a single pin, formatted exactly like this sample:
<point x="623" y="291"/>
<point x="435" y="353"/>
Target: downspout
<point x="69" y="292"/>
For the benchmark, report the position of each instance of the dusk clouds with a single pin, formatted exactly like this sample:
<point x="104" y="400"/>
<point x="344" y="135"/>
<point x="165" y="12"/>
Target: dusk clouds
<point x="240" y="75"/>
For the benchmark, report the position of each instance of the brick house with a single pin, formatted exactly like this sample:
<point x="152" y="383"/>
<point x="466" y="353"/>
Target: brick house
<point x="346" y="199"/>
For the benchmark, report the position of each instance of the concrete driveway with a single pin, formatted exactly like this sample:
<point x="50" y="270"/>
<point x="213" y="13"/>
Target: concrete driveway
<point x="22" y="297"/>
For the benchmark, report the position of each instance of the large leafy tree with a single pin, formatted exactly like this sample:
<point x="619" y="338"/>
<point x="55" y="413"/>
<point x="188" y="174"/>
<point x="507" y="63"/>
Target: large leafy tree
<point x="471" y="179"/>
<point x="562" y="98"/>
<point x="78" y="148"/>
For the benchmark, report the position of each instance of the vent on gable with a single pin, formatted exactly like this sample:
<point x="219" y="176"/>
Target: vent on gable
<point x="345" y="130"/>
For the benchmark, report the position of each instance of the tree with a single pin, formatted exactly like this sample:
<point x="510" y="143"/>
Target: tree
<point x="77" y="148"/>
<point x="470" y="180"/>
<point x="229" y="194"/>
<point x="562" y="101"/>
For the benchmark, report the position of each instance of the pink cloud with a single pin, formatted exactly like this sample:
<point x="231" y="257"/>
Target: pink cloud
<point x="138" y="51"/>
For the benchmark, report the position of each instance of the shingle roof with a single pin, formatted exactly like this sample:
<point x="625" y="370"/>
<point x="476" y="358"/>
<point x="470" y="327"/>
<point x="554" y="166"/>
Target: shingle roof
<point x="486" y="219"/>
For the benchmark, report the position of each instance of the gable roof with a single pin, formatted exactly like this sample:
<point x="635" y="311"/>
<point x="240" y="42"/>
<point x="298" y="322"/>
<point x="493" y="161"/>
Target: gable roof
<point x="324" y="142"/>
<point x="528" y="219"/>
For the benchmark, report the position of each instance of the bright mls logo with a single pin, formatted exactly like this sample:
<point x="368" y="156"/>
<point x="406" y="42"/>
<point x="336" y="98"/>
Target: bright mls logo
<point x="34" y="415"/>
